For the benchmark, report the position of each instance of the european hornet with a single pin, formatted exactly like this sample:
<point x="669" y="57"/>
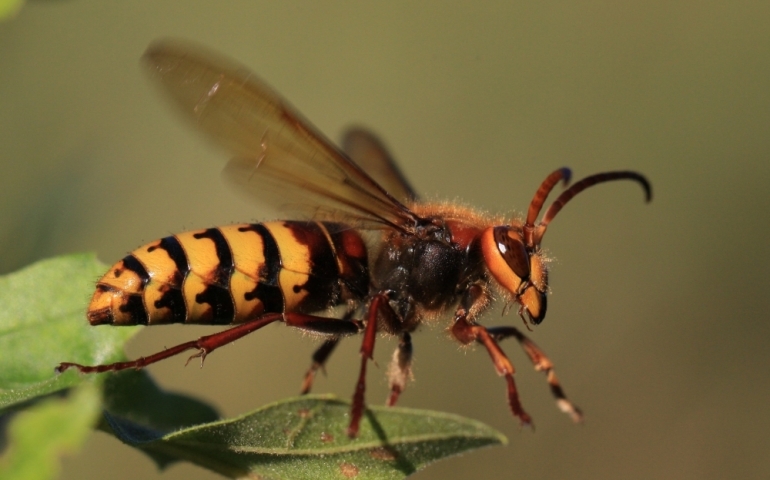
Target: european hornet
<point x="387" y="261"/>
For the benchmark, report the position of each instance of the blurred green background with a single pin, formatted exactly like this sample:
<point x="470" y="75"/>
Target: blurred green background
<point x="658" y="319"/>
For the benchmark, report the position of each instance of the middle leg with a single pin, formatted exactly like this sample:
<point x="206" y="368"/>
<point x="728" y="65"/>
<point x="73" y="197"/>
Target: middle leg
<point x="319" y="361"/>
<point x="322" y="354"/>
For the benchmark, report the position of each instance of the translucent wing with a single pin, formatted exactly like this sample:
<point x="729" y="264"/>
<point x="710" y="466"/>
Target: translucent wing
<point x="279" y="156"/>
<point x="369" y="153"/>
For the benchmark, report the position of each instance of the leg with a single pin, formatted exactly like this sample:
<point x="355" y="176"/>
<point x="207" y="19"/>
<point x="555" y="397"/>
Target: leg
<point x="379" y="301"/>
<point x="321" y="355"/>
<point x="467" y="332"/>
<point x="542" y="364"/>
<point x="400" y="369"/>
<point x="209" y="343"/>
<point x="319" y="360"/>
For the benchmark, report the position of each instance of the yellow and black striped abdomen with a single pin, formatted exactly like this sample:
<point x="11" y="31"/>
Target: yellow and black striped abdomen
<point x="233" y="274"/>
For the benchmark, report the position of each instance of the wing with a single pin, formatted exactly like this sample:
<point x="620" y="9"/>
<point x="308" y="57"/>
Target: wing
<point x="278" y="155"/>
<point x="369" y="153"/>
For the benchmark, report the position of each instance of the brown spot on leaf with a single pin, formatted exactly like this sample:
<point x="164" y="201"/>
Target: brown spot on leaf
<point x="304" y="413"/>
<point x="383" y="453"/>
<point x="326" y="437"/>
<point x="348" y="470"/>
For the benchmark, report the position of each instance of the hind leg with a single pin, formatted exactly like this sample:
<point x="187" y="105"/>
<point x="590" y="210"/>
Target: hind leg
<point x="209" y="343"/>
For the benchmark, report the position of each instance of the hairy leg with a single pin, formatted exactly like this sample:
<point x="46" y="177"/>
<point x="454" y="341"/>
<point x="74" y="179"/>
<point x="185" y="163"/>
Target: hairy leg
<point x="400" y="369"/>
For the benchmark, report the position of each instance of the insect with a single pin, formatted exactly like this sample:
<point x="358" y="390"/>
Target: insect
<point x="371" y="259"/>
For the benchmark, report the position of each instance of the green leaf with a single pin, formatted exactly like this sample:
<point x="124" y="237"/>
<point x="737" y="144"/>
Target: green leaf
<point x="134" y="395"/>
<point x="9" y="8"/>
<point x="40" y="435"/>
<point x="42" y="323"/>
<point x="304" y="438"/>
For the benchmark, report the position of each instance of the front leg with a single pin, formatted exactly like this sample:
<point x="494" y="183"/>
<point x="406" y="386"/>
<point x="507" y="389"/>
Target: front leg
<point x="542" y="364"/>
<point x="466" y="330"/>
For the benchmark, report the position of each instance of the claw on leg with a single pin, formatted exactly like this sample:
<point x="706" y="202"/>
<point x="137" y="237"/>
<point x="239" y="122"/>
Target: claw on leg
<point x="201" y="354"/>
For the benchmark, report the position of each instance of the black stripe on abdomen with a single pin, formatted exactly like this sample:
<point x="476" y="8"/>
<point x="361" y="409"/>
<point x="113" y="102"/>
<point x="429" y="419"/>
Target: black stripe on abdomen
<point x="217" y="293"/>
<point x="134" y="303"/>
<point x="322" y="284"/>
<point x="268" y="291"/>
<point x="173" y="298"/>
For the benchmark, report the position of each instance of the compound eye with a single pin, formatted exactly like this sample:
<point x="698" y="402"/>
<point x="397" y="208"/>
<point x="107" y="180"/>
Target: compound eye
<point x="513" y="251"/>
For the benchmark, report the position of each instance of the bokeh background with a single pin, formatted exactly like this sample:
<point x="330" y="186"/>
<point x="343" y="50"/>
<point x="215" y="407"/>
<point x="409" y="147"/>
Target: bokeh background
<point x="658" y="319"/>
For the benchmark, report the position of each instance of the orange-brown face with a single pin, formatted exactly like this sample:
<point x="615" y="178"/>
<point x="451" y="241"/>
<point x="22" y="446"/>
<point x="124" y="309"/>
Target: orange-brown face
<point x="518" y="269"/>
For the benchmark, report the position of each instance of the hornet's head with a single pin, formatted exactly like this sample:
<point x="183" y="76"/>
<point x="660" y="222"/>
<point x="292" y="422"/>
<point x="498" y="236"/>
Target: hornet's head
<point x="512" y="252"/>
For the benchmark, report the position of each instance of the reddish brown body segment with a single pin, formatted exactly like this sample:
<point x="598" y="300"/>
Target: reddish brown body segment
<point x="428" y="261"/>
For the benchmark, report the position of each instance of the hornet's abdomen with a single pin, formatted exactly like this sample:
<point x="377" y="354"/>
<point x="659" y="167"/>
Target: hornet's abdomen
<point x="233" y="274"/>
